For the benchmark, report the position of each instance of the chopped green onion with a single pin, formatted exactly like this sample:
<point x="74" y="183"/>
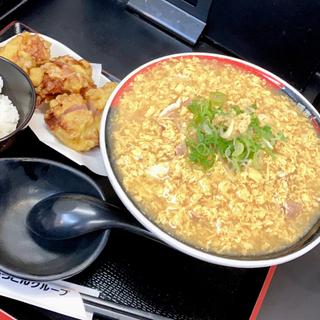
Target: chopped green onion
<point x="203" y="150"/>
<point x="218" y="98"/>
<point x="205" y="141"/>
<point x="237" y="110"/>
<point x="238" y="149"/>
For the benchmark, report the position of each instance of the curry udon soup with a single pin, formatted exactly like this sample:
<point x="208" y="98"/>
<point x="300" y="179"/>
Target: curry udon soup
<point x="216" y="157"/>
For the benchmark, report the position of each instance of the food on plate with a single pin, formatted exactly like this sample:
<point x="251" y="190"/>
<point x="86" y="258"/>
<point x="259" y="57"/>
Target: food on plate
<point x="97" y="97"/>
<point x="66" y="85"/>
<point x="27" y="50"/>
<point x="235" y="134"/>
<point x="60" y="75"/>
<point x="217" y="157"/>
<point x="70" y="120"/>
<point x="9" y="115"/>
<point x="75" y="120"/>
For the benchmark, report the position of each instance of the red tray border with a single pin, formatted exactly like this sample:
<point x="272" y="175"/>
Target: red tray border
<point x="263" y="292"/>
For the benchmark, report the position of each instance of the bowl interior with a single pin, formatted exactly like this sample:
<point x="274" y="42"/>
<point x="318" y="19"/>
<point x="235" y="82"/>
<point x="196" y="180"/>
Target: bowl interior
<point x="307" y="242"/>
<point x="18" y="87"/>
<point x="23" y="183"/>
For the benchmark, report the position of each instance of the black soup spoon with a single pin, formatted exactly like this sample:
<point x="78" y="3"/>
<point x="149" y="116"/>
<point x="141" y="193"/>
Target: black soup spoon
<point x="68" y="215"/>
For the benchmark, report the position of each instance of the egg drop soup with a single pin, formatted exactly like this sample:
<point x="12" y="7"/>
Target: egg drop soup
<point x="216" y="157"/>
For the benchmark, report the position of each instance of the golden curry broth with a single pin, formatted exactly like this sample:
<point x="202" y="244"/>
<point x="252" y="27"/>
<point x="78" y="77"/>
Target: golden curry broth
<point x="220" y="210"/>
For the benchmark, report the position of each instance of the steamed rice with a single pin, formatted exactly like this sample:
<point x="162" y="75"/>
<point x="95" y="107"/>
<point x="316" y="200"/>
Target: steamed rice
<point x="9" y="115"/>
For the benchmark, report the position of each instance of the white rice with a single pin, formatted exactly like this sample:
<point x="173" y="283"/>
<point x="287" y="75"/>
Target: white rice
<point x="9" y="115"/>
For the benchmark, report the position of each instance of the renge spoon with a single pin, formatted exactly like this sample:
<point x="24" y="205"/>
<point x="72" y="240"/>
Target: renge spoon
<point x="68" y="215"/>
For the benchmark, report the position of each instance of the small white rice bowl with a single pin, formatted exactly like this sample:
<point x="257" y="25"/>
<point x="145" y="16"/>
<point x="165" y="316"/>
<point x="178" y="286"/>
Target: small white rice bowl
<point x="9" y="115"/>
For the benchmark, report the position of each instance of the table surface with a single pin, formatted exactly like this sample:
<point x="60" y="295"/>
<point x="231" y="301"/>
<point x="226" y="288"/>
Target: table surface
<point x="294" y="292"/>
<point x="167" y="282"/>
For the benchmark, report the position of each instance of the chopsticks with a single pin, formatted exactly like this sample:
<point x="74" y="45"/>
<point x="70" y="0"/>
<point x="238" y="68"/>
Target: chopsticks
<point x="111" y="77"/>
<point x="116" y="311"/>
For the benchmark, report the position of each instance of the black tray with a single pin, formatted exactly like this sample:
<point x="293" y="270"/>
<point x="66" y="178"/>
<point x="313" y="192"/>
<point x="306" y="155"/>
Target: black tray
<point x="141" y="274"/>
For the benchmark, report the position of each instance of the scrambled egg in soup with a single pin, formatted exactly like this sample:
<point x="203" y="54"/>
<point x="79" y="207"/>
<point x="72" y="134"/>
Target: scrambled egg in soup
<point x="253" y="209"/>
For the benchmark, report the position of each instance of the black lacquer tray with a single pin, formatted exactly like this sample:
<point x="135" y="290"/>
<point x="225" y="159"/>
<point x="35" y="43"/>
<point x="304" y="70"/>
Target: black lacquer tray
<point x="141" y="274"/>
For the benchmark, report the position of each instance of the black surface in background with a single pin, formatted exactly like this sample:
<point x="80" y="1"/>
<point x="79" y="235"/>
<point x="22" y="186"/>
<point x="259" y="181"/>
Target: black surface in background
<point x="21" y="310"/>
<point x="24" y="311"/>
<point x="131" y="270"/>
<point x="7" y="5"/>
<point x="281" y="36"/>
<point x="102" y="31"/>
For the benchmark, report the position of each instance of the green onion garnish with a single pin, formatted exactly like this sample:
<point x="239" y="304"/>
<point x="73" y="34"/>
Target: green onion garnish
<point x="235" y="135"/>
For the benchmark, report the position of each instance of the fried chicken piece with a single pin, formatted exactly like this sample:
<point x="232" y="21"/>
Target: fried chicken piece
<point x="72" y="122"/>
<point x="75" y="120"/>
<point x="97" y="97"/>
<point x="27" y="51"/>
<point x="60" y="75"/>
